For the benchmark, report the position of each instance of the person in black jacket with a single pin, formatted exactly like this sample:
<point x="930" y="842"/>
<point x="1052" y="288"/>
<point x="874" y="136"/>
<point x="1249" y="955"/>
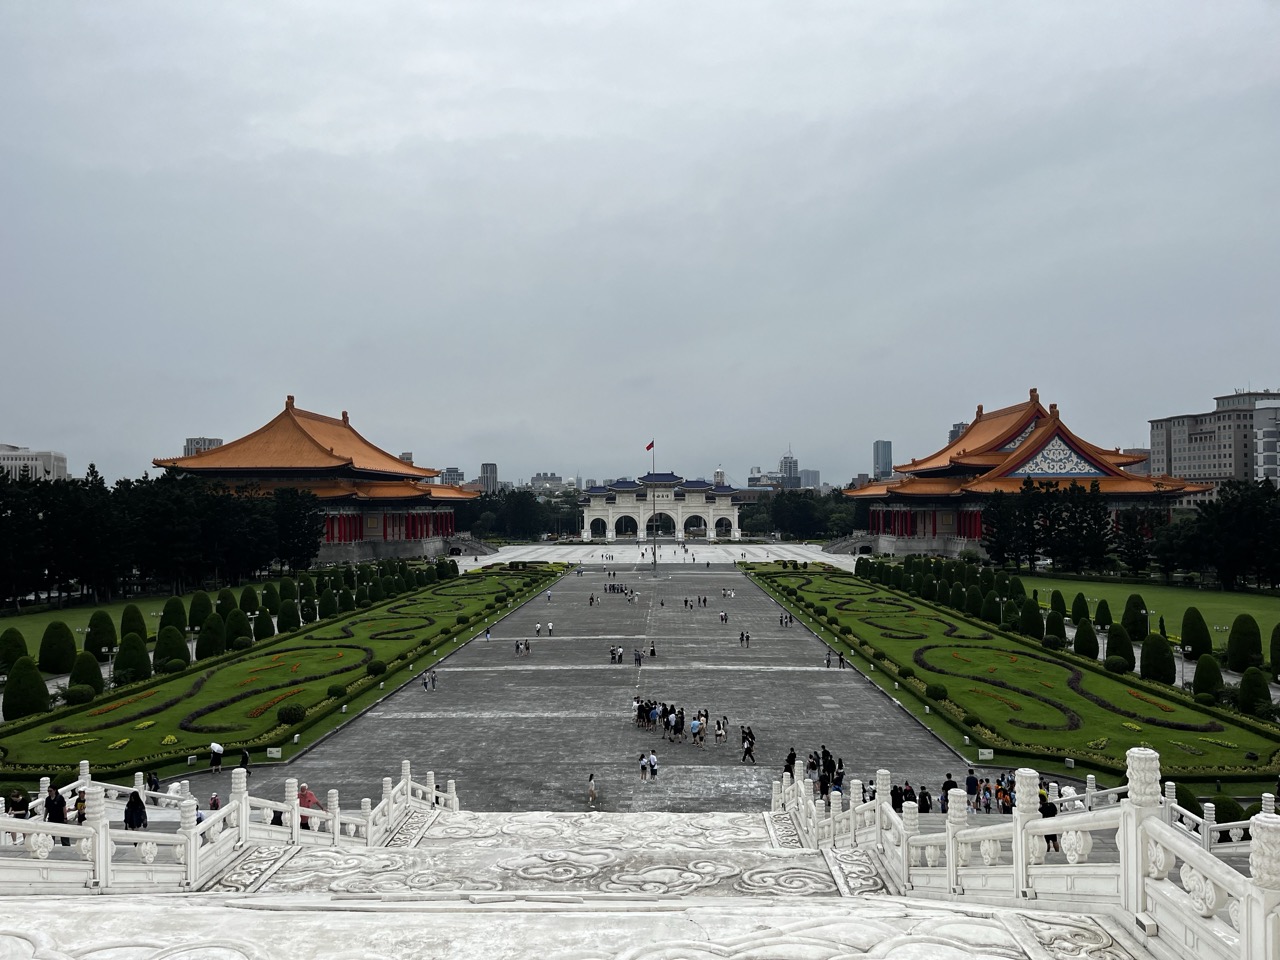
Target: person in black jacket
<point x="55" y="810"/>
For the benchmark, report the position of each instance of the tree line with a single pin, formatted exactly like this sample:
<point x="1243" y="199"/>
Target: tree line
<point x="1235" y="537"/>
<point x="80" y="536"/>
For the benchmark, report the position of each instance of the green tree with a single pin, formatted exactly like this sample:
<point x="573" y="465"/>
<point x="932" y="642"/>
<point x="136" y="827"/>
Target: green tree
<point x="1030" y="623"/>
<point x="13" y="647"/>
<point x="973" y="601"/>
<point x="991" y="608"/>
<point x="1255" y="694"/>
<point x="289" y="620"/>
<point x="131" y="663"/>
<point x="299" y="527"/>
<point x="201" y="607"/>
<point x="376" y="592"/>
<point x="1195" y="634"/>
<point x="1120" y="645"/>
<point x="1208" y="677"/>
<point x="249" y="599"/>
<point x="1135" y="617"/>
<point x="1056" y="602"/>
<point x="226" y="603"/>
<point x="346" y="600"/>
<point x="998" y="521"/>
<point x="87" y="671"/>
<point x="57" y="648"/>
<point x="1079" y="609"/>
<point x="263" y="627"/>
<point x="132" y="621"/>
<point x="328" y="604"/>
<point x="25" y="692"/>
<point x="171" y="644"/>
<point x="212" y="639"/>
<point x="270" y="599"/>
<point x="306" y="587"/>
<point x="175" y="614"/>
<point x="1244" y="644"/>
<point x="1158" y="662"/>
<point x="288" y="588"/>
<point x="238" y="625"/>
<point x="957" y="597"/>
<point x="1086" y="641"/>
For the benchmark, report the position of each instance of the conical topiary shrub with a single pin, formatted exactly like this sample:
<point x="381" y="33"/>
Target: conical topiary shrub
<point x="132" y="663"/>
<point x="1195" y="634"/>
<point x="25" y="692"/>
<point x="1244" y="644"/>
<point x="288" y="589"/>
<point x="1255" y="693"/>
<point x="1158" y="662"/>
<point x="13" y="646"/>
<point x="100" y="639"/>
<point x="132" y="621"/>
<point x="238" y="626"/>
<point x="57" y="648"/>
<point x="212" y="639"/>
<point x="249" y="602"/>
<point x="289" y="619"/>
<point x="1208" y="676"/>
<point x="270" y="598"/>
<point x="1275" y="651"/>
<point x="1079" y="609"/>
<point x="1102" y="616"/>
<point x="225" y="603"/>
<point x="1057" y="603"/>
<point x="263" y="627"/>
<point x="175" y="615"/>
<point x="1119" y="644"/>
<point x="201" y="607"/>
<point x="1086" y="642"/>
<point x="171" y="644"/>
<point x="328" y="604"/>
<point x="1135" y="618"/>
<point x="1054" y="625"/>
<point x="87" y="671"/>
<point x="1030" y="623"/>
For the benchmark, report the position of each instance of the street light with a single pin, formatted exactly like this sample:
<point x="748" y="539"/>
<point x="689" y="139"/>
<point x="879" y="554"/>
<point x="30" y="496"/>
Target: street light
<point x="1182" y="673"/>
<point x="1001" y="601"/>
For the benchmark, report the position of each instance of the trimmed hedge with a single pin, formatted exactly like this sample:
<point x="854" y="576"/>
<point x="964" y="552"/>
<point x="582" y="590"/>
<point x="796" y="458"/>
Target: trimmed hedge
<point x="13" y="647"/>
<point x="132" y="663"/>
<point x="132" y="621"/>
<point x="87" y="671"/>
<point x="101" y="639"/>
<point x="201" y="607"/>
<point x="171" y="644"/>
<point x="1158" y="663"/>
<point x="25" y="692"/>
<point x="57" y="648"/>
<point x="175" y="614"/>
<point x="1244" y="644"/>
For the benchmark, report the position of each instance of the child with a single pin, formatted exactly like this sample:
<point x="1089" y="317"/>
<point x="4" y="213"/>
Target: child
<point x="591" y="789"/>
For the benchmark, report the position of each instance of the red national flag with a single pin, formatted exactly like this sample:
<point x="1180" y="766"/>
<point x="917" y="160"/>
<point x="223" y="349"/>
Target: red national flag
<point x="650" y="446"/>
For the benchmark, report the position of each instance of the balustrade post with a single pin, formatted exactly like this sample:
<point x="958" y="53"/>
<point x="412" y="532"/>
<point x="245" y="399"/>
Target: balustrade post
<point x="1262" y="892"/>
<point x="775" y="801"/>
<point x="1208" y="833"/>
<point x="191" y="849"/>
<point x="43" y="792"/>
<point x="451" y="790"/>
<point x="1170" y="798"/>
<point x="431" y="787"/>
<point x="1268" y="803"/>
<point x="406" y="777"/>
<point x="366" y="811"/>
<point x="184" y="791"/>
<point x="855" y="800"/>
<point x="1143" y="802"/>
<point x="1090" y="788"/>
<point x="292" y="820"/>
<point x="85" y="776"/>
<point x="1026" y="849"/>
<point x="99" y="846"/>
<point x="957" y="820"/>
<point x="139" y="782"/>
<point x="910" y="827"/>
<point x="884" y="786"/>
<point x="240" y="797"/>
<point x="335" y="816"/>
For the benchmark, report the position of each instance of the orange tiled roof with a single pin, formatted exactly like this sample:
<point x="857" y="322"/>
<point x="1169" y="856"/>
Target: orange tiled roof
<point x="299" y="440"/>
<point x="344" y="489"/>
<point x="1043" y="441"/>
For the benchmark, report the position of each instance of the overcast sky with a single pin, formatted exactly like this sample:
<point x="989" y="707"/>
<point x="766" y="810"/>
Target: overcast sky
<point x="543" y="233"/>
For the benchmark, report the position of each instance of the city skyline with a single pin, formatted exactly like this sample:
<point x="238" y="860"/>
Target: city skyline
<point x="544" y="235"/>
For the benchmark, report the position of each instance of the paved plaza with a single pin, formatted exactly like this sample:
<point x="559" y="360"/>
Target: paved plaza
<point x="523" y="733"/>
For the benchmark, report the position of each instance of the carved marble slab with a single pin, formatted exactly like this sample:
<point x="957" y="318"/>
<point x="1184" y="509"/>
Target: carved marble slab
<point x="627" y="831"/>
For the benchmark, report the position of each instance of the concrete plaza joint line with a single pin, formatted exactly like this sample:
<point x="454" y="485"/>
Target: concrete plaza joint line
<point x="523" y="733"/>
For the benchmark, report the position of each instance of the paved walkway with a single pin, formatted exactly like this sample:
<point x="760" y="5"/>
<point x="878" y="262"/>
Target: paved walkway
<point x="523" y="733"/>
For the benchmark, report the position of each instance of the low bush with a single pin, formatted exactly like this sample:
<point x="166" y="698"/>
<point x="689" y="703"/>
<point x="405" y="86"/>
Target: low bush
<point x="935" y="691"/>
<point x="291" y="713"/>
<point x="375" y="668"/>
<point x="337" y="690"/>
<point x="1116" y="664"/>
<point x="80" y="693"/>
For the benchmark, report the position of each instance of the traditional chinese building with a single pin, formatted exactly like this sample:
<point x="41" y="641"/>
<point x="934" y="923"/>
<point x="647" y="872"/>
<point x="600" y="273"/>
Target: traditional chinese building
<point x="662" y="504"/>
<point x="375" y="504"/>
<point x="936" y="505"/>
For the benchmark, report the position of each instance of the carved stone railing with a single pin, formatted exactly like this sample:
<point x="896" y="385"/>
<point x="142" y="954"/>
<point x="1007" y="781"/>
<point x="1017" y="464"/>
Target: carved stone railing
<point x="99" y="856"/>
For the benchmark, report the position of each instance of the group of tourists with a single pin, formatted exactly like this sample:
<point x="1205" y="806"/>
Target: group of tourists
<point x="614" y="588"/>
<point x="537" y="629"/>
<point x="822" y="769"/>
<point x="786" y="619"/>
<point x="669" y="720"/>
<point x="523" y="648"/>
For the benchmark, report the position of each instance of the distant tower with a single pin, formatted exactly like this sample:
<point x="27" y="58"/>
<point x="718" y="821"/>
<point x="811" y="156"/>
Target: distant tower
<point x="789" y="466"/>
<point x="882" y="459"/>
<point x="956" y="430"/>
<point x="718" y="477"/>
<point x="407" y="456"/>
<point x="489" y="477"/>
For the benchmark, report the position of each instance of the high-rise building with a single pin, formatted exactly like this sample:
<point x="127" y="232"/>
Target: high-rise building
<point x="882" y="459"/>
<point x="1209" y="447"/>
<point x="1142" y="469"/>
<point x="489" y="477"/>
<point x="1266" y="441"/>
<point x="407" y="456"/>
<point x="956" y="430"/>
<point x="451" y="475"/>
<point x="810" y="479"/>
<point x="789" y="466"/>
<point x="718" y="477"/>
<point x="196" y="445"/>
<point x="34" y="464"/>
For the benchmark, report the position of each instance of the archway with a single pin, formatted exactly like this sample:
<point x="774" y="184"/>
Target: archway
<point x="695" y="526"/>
<point x="626" y="527"/>
<point x="660" y="525"/>
<point x="599" y="528"/>
<point x="724" y="528"/>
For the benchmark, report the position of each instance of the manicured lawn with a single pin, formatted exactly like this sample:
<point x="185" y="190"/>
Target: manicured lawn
<point x="1219" y="609"/>
<point x="234" y="699"/>
<point x="1028" y="700"/>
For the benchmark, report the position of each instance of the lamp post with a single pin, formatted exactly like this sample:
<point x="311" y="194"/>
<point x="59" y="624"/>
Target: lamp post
<point x="1001" y="601"/>
<point x="1182" y="673"/>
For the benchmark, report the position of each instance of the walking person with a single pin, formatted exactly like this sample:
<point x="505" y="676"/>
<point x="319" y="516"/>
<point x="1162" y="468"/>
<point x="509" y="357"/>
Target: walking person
<point x="433" y="679"/>
<point x="55" y="810"/>
<point x="591" y="789"/>
<point x="135" y="812"/>
<point x="551" y="627"/>
<point x="537" y="629"/>
<point x="644" y="768"/>
<point x="307" y="800"/>
<point x="748" y="746"/>
<point x="653" y="765"/>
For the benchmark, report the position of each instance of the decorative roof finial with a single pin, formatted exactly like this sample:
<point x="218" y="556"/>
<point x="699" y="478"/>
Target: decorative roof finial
<point x="1053" y="411"/>
<point x="344" y="417"/>
<point x="288" y="402"/>
<point x="978" y="415"/>
<point x="1035" y="395"/>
